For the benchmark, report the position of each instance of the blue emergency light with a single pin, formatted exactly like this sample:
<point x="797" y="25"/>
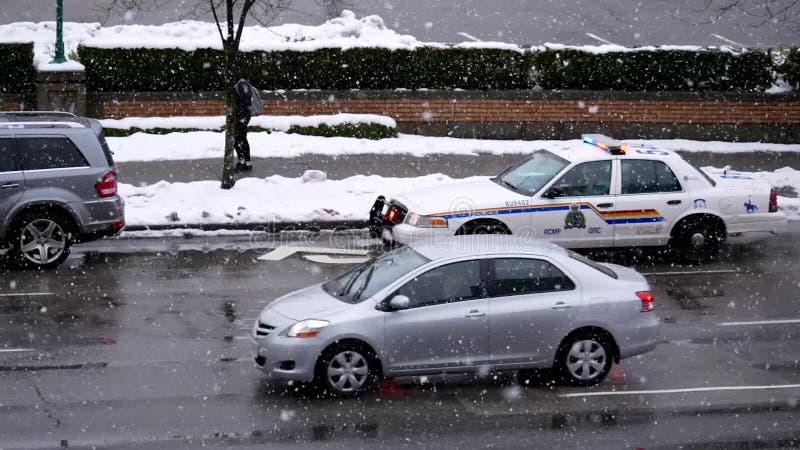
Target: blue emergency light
<point x="606" y="143"/>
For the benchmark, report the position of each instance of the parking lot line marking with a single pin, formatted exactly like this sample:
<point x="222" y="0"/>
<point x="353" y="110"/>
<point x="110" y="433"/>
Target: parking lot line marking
<point x="26" y="294"/>
<point x="14" y="350"/>
<point x="694" y="272"/>
<point x="682" y="391"/>
<point x="325" y="259"/>
<point x="759" y="322"/>
<point x="285" y="251"/>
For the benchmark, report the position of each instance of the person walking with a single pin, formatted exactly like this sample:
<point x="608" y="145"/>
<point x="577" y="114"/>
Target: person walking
<point x="242" y="112"/>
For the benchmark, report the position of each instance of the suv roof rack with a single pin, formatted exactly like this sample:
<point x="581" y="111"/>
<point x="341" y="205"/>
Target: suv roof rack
<point x="37" y="113"/>
<point x="39" y="124"/>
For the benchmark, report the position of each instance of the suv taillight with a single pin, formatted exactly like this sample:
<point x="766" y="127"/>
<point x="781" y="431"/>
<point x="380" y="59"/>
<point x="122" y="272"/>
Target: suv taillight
<point x="647" y="299"/>
<point x="107" y="186"/>
<point x="773" y="201"/>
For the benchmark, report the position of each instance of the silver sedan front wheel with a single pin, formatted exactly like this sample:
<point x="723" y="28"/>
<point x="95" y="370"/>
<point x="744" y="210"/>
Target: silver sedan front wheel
<point x="347" y="372"/>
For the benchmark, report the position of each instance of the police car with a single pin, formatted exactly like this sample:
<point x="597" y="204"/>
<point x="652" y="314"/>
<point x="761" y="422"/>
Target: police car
<point x="604" y="194"/>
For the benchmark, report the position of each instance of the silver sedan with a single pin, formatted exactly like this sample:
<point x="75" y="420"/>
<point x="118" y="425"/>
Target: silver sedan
<point x="459" y="305"/>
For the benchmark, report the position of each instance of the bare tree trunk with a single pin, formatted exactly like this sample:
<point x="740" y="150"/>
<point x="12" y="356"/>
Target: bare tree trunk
<point x="230" y="48"/>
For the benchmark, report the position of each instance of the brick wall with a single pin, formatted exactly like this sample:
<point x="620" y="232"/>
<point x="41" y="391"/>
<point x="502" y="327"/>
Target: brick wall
<point x="10" y="106"/>
<point x="511" y="114"/>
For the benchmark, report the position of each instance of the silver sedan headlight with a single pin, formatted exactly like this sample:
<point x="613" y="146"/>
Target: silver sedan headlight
<point x="420" y="221"/>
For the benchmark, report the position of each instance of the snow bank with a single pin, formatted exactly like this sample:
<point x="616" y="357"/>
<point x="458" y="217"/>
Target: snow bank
<point x="210" y="144"/>
<point x="280" y="123"/>
<point x="255" y="200"/>
<point x="281" y="199"/>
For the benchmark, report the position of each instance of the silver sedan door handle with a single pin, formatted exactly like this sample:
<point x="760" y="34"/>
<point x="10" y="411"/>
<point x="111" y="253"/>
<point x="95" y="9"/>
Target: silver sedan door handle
<point x="474" y="313"/>
<point x="561" y="305"/>
<point x="9" y="186"/>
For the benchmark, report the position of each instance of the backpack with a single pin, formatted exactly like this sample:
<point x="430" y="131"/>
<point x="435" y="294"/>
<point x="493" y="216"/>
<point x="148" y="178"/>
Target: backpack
<point x="256" y="105"/>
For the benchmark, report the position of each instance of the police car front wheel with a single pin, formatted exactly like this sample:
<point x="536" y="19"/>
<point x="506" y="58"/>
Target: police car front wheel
<point x="484" y="227"/>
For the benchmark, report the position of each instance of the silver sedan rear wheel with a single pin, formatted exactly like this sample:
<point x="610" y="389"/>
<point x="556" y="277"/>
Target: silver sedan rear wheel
<point x="586" y="360"/>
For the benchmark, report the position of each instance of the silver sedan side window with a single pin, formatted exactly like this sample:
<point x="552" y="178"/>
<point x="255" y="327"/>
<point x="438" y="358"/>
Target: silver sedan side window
<point x="445" y="284"/>
<point x="517" y="276"/>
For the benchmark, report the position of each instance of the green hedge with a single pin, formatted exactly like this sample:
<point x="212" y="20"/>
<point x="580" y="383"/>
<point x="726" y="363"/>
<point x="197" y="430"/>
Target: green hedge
<point x="356" y="130"/>
<point x="791" y="68"/>
<point x="143" y="70"/>
<point x="17" y="74"/>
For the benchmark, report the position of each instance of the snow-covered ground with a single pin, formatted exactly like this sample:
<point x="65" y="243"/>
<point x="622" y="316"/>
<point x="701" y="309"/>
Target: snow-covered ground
<point x="281" y="199"/>
<point x="209" y="144"/>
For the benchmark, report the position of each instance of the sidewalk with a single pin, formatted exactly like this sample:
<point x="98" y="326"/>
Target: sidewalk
<point x="402" y="166"/>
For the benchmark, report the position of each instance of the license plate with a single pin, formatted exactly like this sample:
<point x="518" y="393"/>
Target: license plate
<point x="384" y="209"/>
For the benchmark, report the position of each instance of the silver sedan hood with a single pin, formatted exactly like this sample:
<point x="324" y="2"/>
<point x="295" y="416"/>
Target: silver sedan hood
<point x="309" y="303"/>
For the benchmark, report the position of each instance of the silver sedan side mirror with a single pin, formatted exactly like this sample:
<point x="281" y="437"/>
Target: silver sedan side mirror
<point x="399" y="302"/>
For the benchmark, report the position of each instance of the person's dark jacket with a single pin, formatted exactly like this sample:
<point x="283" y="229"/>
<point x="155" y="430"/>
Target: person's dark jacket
<point x="242" y="101"/>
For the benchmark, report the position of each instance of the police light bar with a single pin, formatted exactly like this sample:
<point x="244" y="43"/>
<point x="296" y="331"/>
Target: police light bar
<point x="606" y="143"/>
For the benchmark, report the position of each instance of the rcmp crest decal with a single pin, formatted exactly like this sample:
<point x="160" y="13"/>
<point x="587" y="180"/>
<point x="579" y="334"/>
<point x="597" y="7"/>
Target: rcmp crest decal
<point x="575" y="218"/>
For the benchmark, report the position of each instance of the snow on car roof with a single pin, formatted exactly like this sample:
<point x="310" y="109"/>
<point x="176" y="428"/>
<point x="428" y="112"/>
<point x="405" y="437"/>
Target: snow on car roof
<point x="587" y="152"/>
<point x="477" y="245"/>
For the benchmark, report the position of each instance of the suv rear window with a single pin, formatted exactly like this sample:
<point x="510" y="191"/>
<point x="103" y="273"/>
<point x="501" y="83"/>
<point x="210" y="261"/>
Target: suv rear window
<point x="56" y="152"/>
<point x="106" y="151"/>
<point x="593" y="264"/>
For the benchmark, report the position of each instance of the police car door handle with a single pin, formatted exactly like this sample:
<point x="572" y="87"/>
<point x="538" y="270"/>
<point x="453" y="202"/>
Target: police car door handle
<point x="561" y="305"/>
<point x="474" y="313"/>
<point x="674" y="202"/>
<point x="9" y="186"/>
<point x="605" y="205"/>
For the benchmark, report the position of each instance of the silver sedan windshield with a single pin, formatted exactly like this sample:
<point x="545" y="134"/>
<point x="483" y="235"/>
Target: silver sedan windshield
<point x="364" y="281"/>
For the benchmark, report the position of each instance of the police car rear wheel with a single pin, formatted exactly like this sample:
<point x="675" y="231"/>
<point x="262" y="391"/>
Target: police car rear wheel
<point x="697" y="240"/>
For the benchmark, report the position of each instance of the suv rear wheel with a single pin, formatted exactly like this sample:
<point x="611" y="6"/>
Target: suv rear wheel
<point x="41" y="239"/>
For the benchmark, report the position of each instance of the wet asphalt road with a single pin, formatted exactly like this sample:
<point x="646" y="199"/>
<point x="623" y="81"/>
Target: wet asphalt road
<point x="143" y="343"/>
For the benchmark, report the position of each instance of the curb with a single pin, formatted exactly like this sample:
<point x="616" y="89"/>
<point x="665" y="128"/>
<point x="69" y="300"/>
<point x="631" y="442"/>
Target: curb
<point x="271" y="227"/>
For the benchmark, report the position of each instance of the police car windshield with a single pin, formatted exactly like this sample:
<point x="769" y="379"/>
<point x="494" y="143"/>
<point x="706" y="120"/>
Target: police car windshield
<point x="530" y="175"/>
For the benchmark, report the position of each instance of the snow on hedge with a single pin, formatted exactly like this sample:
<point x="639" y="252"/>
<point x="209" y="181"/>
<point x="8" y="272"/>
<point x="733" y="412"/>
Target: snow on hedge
<point x="278" y="123"/>
<point x="346" y="31"/>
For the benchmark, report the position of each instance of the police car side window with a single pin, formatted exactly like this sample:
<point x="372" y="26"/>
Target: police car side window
<point x="642" y="176"/>
<point x="586" y="179"/>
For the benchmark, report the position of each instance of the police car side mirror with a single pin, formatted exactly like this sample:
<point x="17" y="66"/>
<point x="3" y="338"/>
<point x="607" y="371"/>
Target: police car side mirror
<point x="553" y="192"/>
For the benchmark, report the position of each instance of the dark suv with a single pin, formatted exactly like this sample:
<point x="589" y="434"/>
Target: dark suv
<point x="58" y="186"/>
